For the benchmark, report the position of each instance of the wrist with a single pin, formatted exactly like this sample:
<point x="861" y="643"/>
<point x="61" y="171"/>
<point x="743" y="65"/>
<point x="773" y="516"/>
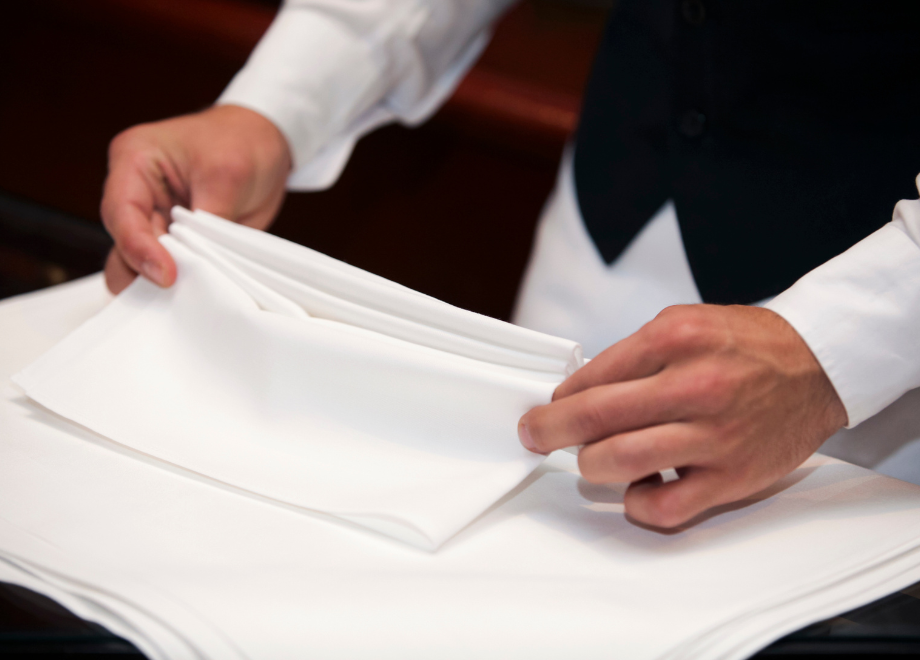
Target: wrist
<point x="270" y="145"/>
<point x="825" y="401"/>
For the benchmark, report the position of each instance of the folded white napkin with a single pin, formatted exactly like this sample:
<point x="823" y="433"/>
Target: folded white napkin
<point x="279" y="370"/>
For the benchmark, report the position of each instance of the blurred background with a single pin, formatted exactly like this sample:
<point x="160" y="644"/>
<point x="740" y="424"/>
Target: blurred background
<point x="448" y="208"/>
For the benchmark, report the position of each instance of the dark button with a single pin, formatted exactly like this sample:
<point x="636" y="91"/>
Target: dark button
<point x="692" y="123"/>
<point x="693" y="11"/>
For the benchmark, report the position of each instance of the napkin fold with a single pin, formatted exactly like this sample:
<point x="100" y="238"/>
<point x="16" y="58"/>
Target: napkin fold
<point x="281" y="371"/>
<point x="187" y="567"/>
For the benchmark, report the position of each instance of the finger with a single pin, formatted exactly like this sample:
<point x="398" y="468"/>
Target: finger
<point x="629" y="457"/>
<point x="676" y="333"/>
<point x="117" y="273"/>
<point x="131" y="217"/>
<point x="673" y="503"/>
<point x="601" y="412"/>
<point x="629" y="359"/>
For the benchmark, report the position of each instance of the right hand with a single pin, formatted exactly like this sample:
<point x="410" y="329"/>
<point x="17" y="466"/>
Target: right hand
<point x="227" y="160"/>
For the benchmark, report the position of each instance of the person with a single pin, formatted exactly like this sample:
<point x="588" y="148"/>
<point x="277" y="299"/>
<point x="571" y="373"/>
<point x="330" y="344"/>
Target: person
<point x="728" y="152"/>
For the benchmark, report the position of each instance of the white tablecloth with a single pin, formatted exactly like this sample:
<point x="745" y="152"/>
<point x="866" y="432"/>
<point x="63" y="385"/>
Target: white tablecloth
<point x="188" y="567"/>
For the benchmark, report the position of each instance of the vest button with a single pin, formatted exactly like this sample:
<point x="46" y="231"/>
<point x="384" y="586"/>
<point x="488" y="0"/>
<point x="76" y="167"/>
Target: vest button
<point x="692" y="123"/>
<point x="693" y="11"/>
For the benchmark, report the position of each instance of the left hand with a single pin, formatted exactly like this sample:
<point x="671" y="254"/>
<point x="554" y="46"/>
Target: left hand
<point x="731" y="396"/>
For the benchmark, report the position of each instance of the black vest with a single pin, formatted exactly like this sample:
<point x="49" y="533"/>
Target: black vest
<point x="785" y="131"/>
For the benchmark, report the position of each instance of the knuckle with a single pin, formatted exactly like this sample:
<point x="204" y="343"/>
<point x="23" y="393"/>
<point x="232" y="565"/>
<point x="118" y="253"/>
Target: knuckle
<point x="690" y="330"/>
<point x="144" y="159"/>
<point x="591" y="469"/>
<point x="129" y="140"/>
<point x="120" y="142"/>
<point x="591" y="419"/>
<point x="667" y="509"/>
<point x="628" y="455"/>
<point x="712" y="387"/>
<point x="657" y="331"/>
<point x="748" y="478"/>
<point x="132" y="245"/>
<point x="622" y="458"/>
<point x="711" y="382"/>
<point x="679" y="327"/>
<point x="670" y="312"/>
<point x="232" y="167"/>
<point x="727" y="432"/>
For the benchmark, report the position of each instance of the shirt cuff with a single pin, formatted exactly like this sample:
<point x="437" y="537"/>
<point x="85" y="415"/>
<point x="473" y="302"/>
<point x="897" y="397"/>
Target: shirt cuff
<point x="309" y="75"/>
<point x="324" y="85"/>
<point x="327" y="163"/>
<point x="859" y="313"/>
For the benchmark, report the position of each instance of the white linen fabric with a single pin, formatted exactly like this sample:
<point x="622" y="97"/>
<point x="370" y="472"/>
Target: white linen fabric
<point x="186" y="566"/>
<point x="327" y="72"/>
<point x="281" y="371"/>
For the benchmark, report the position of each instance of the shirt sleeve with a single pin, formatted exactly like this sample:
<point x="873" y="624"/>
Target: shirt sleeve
<point x="859" y="313"/>
<point x="328" y="71"/>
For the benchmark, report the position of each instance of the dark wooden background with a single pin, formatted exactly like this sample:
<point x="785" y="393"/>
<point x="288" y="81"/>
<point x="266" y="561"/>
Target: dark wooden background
<point x="447" y="208"/>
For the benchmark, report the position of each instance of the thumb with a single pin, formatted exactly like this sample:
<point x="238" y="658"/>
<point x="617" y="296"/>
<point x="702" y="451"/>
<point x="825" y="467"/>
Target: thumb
<point x="130" y="217"/>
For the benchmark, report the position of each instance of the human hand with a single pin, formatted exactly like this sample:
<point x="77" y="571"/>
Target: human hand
<point x="731" y="396"/>
<point x="228" y="160"/>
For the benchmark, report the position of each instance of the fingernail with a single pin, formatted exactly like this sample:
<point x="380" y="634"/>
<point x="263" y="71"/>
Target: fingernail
<point x="524" y="436"/>
<point x="153" y="272"/>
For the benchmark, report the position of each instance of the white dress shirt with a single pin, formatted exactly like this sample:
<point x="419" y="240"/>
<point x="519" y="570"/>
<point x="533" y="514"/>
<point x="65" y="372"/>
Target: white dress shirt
<point x="328" y="71"/>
